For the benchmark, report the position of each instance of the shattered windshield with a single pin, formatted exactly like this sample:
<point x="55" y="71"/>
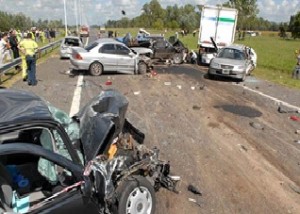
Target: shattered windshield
<point x="230" y="53"/>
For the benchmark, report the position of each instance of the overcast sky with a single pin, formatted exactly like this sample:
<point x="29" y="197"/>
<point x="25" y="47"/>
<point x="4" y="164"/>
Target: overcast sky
<point x="99" y="11"/>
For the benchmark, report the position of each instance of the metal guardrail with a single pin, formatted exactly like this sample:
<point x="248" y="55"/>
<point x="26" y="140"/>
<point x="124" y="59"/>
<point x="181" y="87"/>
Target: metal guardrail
<point x="42" y="51"/>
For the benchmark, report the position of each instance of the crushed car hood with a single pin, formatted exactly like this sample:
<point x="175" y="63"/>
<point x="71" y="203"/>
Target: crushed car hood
<point x="101" y="120"/>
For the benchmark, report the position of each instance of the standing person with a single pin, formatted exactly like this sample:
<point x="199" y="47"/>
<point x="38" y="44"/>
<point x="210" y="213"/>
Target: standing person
<point x="4" y="48"/>
<point x="29" y="47"/>
<point x="13" y="41"/>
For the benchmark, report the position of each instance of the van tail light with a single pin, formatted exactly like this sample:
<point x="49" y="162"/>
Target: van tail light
<point x="78" y="56"/>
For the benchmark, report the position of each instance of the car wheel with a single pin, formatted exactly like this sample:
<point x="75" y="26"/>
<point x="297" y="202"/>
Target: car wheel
<point x="177" y="58"/>
<point x="210" y="76"/>
<point x="142" y="68"/>
<point x="135" y="195"/>
<point x="96" y="69"/>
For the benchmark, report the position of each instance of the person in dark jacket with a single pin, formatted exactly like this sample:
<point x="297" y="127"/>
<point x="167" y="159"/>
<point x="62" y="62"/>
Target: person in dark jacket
<point x="13" y="41"/>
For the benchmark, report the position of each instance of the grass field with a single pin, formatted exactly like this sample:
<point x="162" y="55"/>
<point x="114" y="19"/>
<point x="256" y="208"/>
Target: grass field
<point x="276" y="58"/>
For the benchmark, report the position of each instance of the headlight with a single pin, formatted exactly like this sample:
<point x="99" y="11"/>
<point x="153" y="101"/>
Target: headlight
<point x="214" y="65"/>
<point x="241" y="67"/>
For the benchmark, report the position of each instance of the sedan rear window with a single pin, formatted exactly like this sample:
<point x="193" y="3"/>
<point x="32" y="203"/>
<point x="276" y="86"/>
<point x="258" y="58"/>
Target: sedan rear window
<point x="72" y="42"/>
<point x="91" y="46"/>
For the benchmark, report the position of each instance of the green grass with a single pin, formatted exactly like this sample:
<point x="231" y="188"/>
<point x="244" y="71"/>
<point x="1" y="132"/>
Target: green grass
<point x="275" y="56"/>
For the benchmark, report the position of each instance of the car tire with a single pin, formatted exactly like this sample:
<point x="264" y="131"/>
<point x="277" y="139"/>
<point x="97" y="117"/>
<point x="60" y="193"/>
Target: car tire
<point x="96" y="69"/>
<point x="135" y="195"/>
<point x="142" y="68"/>
<point x="178" y="58"/>
<point x="210" y="76"/>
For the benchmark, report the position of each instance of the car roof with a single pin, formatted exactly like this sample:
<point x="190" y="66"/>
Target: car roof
<point x="237" y="47"/>
<point x="108" y="40"/>
<point x="18" y="106"/>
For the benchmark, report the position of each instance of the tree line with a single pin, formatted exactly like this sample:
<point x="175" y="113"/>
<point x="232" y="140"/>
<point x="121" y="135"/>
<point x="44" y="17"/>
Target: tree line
<point x="187" y="17"/>
<point x="21" y="22"/>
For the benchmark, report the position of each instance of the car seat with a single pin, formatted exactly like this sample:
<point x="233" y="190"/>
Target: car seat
<point x="6" y="192"/>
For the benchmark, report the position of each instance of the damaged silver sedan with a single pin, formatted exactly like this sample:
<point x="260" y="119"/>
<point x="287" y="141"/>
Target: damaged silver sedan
<point x="47" y="159"/>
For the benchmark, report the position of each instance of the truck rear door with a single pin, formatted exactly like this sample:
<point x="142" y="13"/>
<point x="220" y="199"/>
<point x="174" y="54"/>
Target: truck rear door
<point x="226" y="25"/>
<point x="209" y="19"/>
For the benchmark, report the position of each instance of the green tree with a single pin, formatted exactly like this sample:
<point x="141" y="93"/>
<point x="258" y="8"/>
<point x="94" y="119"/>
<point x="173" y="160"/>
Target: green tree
<point x="294" y="25"/>
<point x="247" y="9"/>
<point x="282" y="31"/>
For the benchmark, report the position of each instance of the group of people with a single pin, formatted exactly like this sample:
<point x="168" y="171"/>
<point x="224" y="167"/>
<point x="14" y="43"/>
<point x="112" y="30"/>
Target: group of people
<point x="24" y="47"/>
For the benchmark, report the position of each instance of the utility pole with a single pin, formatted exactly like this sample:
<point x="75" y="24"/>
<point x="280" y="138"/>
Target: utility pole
<point x="66" y="24"/>
<point x="76" y="15"/>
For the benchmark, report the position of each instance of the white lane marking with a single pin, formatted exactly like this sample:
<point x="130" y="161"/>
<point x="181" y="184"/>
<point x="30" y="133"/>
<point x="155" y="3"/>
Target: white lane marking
<point x="273" y="98"/>
<point x="76" y="97"/>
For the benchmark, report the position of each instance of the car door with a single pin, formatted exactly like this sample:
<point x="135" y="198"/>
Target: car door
<point x="108" y="57"/>
<point x="126" y="59"/>
<point x="162" y="49"/>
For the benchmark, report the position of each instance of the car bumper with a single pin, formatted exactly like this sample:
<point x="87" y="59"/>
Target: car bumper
<point x="205" y="60"/>
<point x="227" y="73"/>
<point x="79" y="65"/>
<point x="64" y="54"/>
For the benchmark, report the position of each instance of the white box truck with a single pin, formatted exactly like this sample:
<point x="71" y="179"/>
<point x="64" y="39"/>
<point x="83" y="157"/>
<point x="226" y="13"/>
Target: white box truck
<point x="218" y="23"/>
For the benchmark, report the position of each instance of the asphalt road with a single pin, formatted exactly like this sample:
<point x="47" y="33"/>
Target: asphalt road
<point x="227" y="139"/>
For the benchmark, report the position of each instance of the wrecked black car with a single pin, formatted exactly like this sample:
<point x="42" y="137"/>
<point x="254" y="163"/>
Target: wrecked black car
<point x="162" y="49"/>
<point x="48" y="158"/>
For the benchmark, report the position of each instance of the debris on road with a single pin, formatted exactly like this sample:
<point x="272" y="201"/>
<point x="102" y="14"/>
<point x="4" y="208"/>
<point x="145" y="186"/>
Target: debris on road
<point x="297" y="131"/>
<point x="243" y="147"/>
<point x="297" y="141"/>
<point x="152" y="74"/>
<point x="294" y="188"/>
<point x="202" y="87"/>
<point x="256" y="125"/>
<point x="294" y="118"/>
<point x="137" y="92"/>
<point x="194" y="201"/>
<point x="280" y="110"/>
<point x="168" y="83"/>
<point x="179" y="87"/>
<point x="193" y="87"/>
<point x="195" y="107"/>
<point x="108" y="82"/>
<point x="194" y="189"/>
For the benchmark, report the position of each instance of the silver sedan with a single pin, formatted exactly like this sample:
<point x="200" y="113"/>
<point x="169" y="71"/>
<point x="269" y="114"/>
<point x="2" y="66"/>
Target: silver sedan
<point x="235" y="61"/>
<point x="109" y="55"/>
